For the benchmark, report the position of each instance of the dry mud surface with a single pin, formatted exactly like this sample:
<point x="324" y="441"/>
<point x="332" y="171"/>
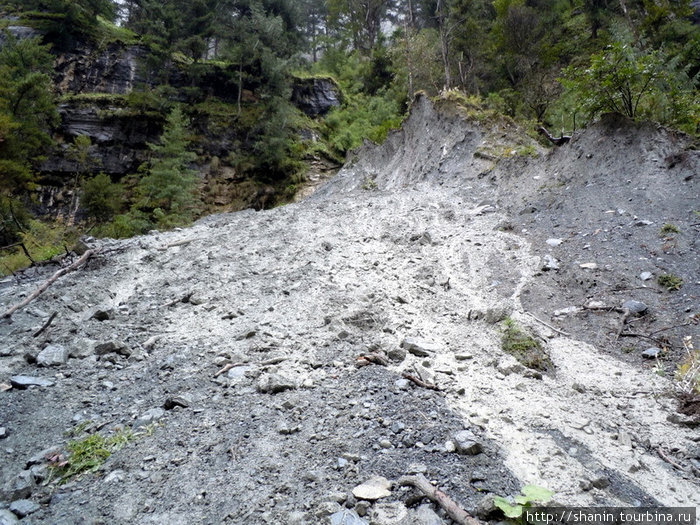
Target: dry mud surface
<point x="429" y="238"/>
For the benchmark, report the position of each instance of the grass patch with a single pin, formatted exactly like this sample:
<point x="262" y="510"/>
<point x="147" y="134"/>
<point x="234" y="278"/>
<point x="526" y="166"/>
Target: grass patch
<point x="43" y="241"/>
<point x="669" y="228"/>
<point x="524" y="347"/>
<point x="670" y="281"/>
<point x="688" y="373"/>
<point x="89" y="453"/>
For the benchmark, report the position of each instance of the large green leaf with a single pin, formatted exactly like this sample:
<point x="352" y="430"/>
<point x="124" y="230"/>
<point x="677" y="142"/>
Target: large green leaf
<point x="510" y="510"/>
<point x="536" y="493"/>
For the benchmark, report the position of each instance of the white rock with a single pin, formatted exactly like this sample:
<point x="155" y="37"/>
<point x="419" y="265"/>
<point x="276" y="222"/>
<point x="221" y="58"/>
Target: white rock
<point x="373" y="489"/>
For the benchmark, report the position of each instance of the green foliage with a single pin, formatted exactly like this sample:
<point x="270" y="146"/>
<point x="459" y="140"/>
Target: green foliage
<point x="670" y="281"/>
<point x="89" y="453"/>
<point x="42" y="240"/>
<point x="525" y="348"/>
<point x="633" y="82"/>
<point x="166" y="195"/>
<point x="669" y="228"/>
<point x="102" y="198"/>
<point x="530" y="494"/>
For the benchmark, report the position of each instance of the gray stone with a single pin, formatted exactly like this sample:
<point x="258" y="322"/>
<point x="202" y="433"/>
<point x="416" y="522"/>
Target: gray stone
<point x="52" y="355"/>
<point x="22" y="382"/>
<point x="3" y="433"/>
<point x="7" y="518"/>
<point x="600" y="481"/>
<point x="275" y="383"/>
<point x="652" y="353"/>
<point x="635" y="307"/>
<point x="554" y="242"/>
<point x="104" y="315"/>
<point x="181" y="400"/>
<point x="373" y="489"/>
<point x="23" y="507"/>
<point x="496" y="314"/>
<point x="327" y="508"/>
<point x="385" y="443"/>
<point x="467" y="443"/>
<point x="424" y="515"/>
<point x="419" y="347"/>
<point x="486" y="508"/>
<point x="19" y="487"/>
<point x="113" y="347"/>
<point x="549" y="263"/>
<point x="150" y="416"/>
<point x="238" y="372"/>
<point x="315" y="96"/>
<point x="646" y="276"/>
<point x="397" y="354"/>
<point x="347" y="517"/>
<point x="393" y="513"/>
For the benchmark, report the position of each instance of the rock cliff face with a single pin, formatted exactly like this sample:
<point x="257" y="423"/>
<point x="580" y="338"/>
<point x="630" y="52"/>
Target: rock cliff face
<point x="316" y="96"/>
<point x="117" y="69"/>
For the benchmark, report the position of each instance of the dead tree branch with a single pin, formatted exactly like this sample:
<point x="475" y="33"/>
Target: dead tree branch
<point x="558" y="141"/>
<point x="457" y="513"/>
<point x="46" y="325"/>
<point x="418" y="381"/>
<point x="36" y="293"/>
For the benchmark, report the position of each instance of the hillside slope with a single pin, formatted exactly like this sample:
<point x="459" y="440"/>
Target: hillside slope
<point x="417" y="250"/>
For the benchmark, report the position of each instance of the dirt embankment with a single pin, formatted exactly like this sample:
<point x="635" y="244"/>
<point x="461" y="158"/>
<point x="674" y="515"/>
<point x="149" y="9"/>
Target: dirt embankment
<point x="414" y="254"/>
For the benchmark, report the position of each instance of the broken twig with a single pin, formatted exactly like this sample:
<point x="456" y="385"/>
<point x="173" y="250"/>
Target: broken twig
<point x="457" y="513"/>
<point x="668" y="460"/>
<point x="369" y="359"/>
<point x="48" y="283"/>
<point x="46" y="325"/>
<point x="562" y="332"/>
<point x="228" y="367"/>
<point x="418" y="381"/>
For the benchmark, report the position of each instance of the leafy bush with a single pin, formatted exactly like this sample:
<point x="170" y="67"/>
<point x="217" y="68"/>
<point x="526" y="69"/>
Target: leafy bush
<point x="670" y="281"/>
<point x="525" y="348"/>
<point x="529" y="494"/>
<point x="101" y="197"/>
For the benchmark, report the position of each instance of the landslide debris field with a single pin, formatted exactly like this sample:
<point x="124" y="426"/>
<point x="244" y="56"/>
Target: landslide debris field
<point x="221" y="364"/>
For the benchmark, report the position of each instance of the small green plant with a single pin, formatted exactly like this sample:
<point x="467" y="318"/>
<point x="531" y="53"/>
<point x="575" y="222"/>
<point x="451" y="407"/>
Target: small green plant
<point x="529" y="494"/>
<point x="669" y="228"/>
<point x="525" y="348"/>
<point x="89" y="453"/>
<point x="369" y="184"/>
<point x="670" y="281"/>
<point x="688" y="373"/>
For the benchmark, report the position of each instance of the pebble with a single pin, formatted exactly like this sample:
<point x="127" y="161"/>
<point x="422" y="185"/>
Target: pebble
<point x="150" y="416"/>
<point x="7" y="518"/>
<point x="549" y="263"/>
<point x="388" y="513"/>
<point x="425" y="515"/>
<point x="274" y="383"/>
<point x="373" y="489"/>
<point x="22" y="382"/>
<point x="635" y="307"/>
<point x="554" y="242"/>
<point x="52" y="355"/>
<point x="3" y="433"/>
<point x="238" y="372"/>
<point x="385" y="443"/>
<point x="419" y="347"/>
<point x="600" y="481"/>
<point x="347" y="517"/>
<point x="397" y="354"/>
<point x="463" y="357"/>
<point x="23" y="507"/>
<point x="113" y="347"/>
<point x="588" y="266"/>
<point x="652" y="353"/>
<point x="466" y="443"/>
<point x="181" y="400"/>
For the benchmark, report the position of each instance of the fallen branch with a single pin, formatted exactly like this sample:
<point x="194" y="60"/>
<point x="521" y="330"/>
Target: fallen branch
<point x="46" y="325"/>
<point x="558" y="141"/>
<point x="668" y="460"/>
<point x="184" y="242"/>
<point x="48" y="283"/>
<point x="418" y="381"/>
<point x="228" y="367"/>
<point x="454" y="511"/>
<point x="369" y="359"/>
<point x="643" y="336"/>
<point x="566" y="334"/>
<point x="24" y="249"/>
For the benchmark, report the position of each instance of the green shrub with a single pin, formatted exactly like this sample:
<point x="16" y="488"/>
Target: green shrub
<point x="670" y="281"/>
<point x="525" y="348"/>
<point x="101" y="197"/>
<point x="669" y="228"/>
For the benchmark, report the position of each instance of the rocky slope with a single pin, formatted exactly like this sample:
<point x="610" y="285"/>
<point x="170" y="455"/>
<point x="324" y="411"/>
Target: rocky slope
<point x="231" y="348"/>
